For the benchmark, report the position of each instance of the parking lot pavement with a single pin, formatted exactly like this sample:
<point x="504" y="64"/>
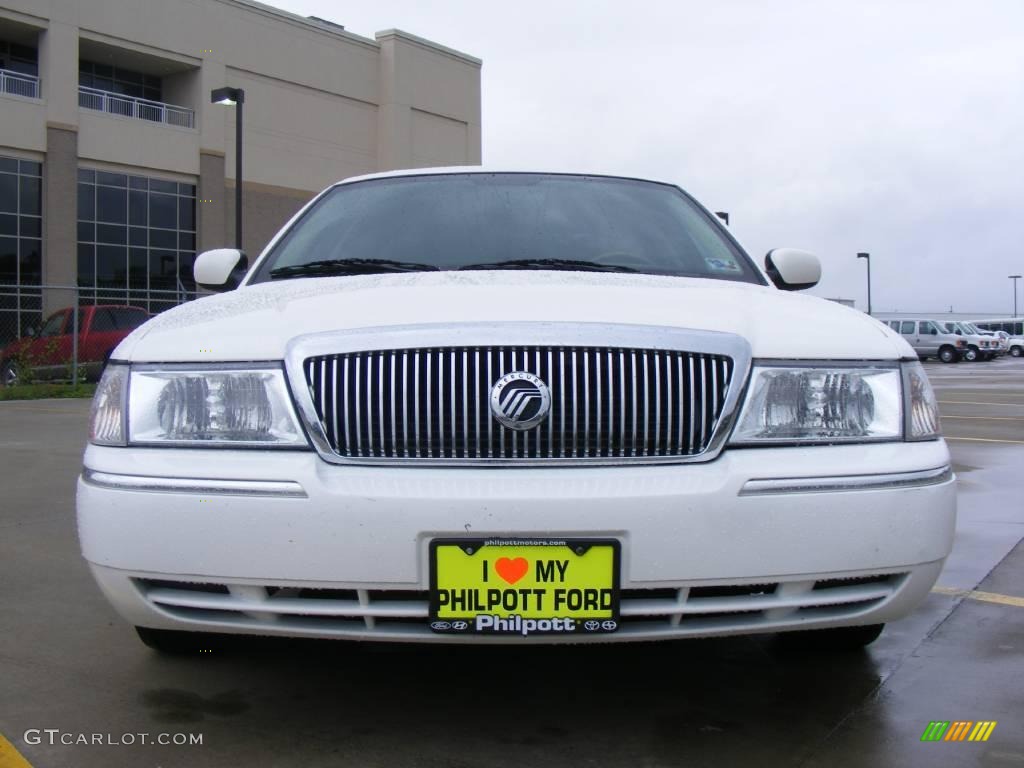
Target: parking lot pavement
<point x="68" y="663"/>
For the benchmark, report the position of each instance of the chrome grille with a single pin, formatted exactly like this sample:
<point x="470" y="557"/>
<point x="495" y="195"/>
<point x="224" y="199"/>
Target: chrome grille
<point x="433" y="403"/>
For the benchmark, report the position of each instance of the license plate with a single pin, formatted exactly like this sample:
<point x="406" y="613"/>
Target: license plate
<point x="524" y="586"/>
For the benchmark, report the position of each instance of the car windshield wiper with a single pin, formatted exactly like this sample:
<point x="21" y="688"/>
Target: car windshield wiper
<point x="577" y="265"/>
<point x="349" y="267"/>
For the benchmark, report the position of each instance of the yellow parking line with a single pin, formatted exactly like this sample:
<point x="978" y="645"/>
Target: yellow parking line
<point x="985" y="597"/>
<point x="983" y="440"/>
<point x="10" y="757"/>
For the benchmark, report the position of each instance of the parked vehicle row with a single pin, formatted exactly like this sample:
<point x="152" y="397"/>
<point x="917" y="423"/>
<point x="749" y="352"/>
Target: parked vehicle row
<point x="49" y="353"/>
<point x="953" y="340"/>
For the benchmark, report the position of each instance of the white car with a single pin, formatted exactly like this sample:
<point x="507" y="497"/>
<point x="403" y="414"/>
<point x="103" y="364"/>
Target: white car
<point x="467" y="406"/>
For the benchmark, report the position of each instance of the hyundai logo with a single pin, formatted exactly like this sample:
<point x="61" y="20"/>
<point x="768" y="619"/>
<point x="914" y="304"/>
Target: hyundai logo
<point x="520" y="400"/>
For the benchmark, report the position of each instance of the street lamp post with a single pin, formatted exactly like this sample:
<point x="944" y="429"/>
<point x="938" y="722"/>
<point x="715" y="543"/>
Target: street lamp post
<point x="1015" y="278"/>
<point x="867" y="256"/>
<point x="234" y="97"/>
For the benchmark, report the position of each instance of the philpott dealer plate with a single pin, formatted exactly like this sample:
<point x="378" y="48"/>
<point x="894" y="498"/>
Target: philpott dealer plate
<point x="524" y="586"/>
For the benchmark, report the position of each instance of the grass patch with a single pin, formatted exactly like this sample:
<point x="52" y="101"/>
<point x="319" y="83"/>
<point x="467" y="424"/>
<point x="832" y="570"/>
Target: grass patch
<point x="43" y="391"/>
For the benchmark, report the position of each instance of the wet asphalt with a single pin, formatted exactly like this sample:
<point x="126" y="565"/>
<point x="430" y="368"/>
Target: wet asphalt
<point x="67" y="662"/>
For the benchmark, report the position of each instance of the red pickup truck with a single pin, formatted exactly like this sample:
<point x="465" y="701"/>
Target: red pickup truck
<point x="47" y="354"/>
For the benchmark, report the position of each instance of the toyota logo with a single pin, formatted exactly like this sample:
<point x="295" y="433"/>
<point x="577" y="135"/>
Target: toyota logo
<point x="520" y="400"/>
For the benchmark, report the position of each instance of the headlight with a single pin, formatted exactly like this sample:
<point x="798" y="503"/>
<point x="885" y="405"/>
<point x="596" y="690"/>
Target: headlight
<point x="811" y="404"/>
<point x="922" y="408"/>
<point x="237" y="406"/>
<point x="229" y="406"/>
<point x="106" y="418"/>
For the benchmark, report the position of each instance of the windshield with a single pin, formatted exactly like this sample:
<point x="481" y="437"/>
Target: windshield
<point x="507" y="221"/>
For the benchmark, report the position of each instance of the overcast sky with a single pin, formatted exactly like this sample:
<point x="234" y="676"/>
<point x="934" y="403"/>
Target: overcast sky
<point x="890" y="127"/>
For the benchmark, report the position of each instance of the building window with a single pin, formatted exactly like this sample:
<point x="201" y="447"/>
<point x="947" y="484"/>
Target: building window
<point x="136" y="238"/>
<point x="21" y="263"/>
<point x="19" y="58"/>
<point x="105" y="77"/>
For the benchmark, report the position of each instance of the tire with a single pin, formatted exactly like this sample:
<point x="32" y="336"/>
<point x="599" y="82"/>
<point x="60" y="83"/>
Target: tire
<point x="971" y="355"/>
<point x="948" y="355"/>
<point x="1015" y="351"/>
<point x="831" y="640"/>
<point x="174" y="643"/>
<point x="10" y="373"/>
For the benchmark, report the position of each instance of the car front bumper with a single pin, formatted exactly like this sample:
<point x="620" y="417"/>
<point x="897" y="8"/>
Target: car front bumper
<point x="282" y="543"/>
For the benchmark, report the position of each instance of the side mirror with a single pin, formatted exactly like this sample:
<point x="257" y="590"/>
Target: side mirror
<point x="792" y="270"/>
<point x="221" y="269"/>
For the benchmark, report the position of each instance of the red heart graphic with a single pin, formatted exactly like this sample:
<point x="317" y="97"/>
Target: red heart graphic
<point x="511" y="570"/>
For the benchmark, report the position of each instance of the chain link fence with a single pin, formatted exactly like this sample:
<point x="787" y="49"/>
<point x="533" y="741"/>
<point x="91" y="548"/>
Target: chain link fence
<point x="67" y="332"/>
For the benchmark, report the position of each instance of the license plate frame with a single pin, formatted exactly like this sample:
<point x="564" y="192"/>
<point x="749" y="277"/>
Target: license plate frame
<point x="584" y="617"/>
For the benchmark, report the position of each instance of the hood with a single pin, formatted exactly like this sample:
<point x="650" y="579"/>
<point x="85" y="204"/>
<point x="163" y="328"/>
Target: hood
<point x="257" y="322"/>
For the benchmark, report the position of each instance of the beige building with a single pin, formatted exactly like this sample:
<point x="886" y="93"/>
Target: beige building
<point x="115" y="168"/>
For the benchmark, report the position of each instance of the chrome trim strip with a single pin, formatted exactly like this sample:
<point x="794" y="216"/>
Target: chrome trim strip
<point x="766" y="487"/>
<point x="201" y="486"/>
<point x="571" y="336"/>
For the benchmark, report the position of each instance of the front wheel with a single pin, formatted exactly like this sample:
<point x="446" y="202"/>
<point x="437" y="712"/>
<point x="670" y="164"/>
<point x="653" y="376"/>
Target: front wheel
<point x="948" y="355"/>
<point x="833" y="639"/>
<point x="10" y="374"/>
<point x="971" y="355"/>
<point x="1015" y="351"/>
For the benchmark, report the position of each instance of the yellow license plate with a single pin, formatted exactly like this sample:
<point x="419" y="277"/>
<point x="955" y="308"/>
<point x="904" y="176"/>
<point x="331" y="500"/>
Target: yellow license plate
<point x="524" y="586"/>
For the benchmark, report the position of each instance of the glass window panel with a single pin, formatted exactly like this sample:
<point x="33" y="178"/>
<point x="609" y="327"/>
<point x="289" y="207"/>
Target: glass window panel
<point x="163" y="238"/>
<point x="31" y="168"/>
<point x="138" y="182"/>
<point x="8" y="165"/>
<point x="30" y="260"/>
<point x="86" y="79"/>
<point x="186" y="241"/>
<point x="111" y="265"/>
<point x="86" y="232"/>
<point x="138" y="236"/>
<point x="103" y="83"/>
<point x="111" y="179"/>
<point x="30" y="195"/>
<point x="86" y="202"/>
<point x="189" y="190"/>
<point x="163" y="269"/>
<point x="8" y="224"/>
<point x="54" y="325"/>
<point x="129" y="76"/>
<point x="87" y="175"/>
<point x="86" y="264"/>
<point x="128" y="318"/>
<point x="185" y="263"/>
<point x="103" y="69"/>
<point x="116" y="234"/>
<point x="137" y="207"/>
<point x="31" y="226"/>
<point x="186" y="213"/>
<point x="163" y="211"/>
<point x="8" y="193"/>
<point x="138" y="268"/>
<point x="111" y="205"/>
<point x="159" y="185"/>
<point x="153" y="81"/>
<point x="8" y="260"/>
<point x="103" y="320"/>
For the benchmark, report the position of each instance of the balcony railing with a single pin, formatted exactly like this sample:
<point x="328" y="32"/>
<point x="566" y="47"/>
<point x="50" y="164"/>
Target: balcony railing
<point x="19" y="84"/>
<point x="139" y="109"/>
